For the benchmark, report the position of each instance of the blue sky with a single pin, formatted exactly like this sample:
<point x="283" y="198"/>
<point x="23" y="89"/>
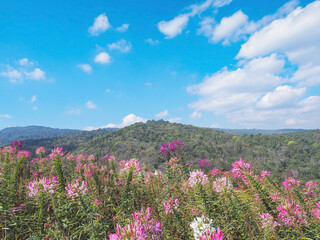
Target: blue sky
<point x="211" y="63"/>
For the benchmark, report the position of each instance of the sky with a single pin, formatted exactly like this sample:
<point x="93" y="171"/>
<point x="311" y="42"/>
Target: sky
<point x="210" y="63"/>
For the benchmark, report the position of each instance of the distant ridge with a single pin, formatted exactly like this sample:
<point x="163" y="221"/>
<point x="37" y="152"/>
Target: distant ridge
<point x="261" y="131"/>
<point x="7" y="135"/>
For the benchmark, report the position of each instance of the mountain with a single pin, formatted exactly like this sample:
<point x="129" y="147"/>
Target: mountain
<point x="298" y="152"/>
<point x="69" y="143"/>
<point x="8" y="135"/>
<point x="261" y="131"/>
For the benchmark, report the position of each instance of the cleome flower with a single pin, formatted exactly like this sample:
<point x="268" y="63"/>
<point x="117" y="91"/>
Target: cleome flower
<point x="222" y="185"/>
<point x="169" y="204"/>
<point x="200" y="226"/>
<point x="43" y="185"/>
<point x="74" y="190"/>
<point x="198" y="177"/>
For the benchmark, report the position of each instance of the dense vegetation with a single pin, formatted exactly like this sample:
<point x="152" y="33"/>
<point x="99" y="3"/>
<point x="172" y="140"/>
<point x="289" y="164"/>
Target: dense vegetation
<point x="10" y="134"/>
<point x="295" y="154"/>
<point x="59" y="196"/>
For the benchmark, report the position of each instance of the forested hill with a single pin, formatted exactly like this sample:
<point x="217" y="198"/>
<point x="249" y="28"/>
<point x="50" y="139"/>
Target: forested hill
<point x="7" y="135"/>
<point x="69" y="143"/>
<point x="296" y="152"/>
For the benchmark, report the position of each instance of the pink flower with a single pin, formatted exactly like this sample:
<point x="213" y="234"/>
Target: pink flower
<point x="198" y="177"/>
<point x="290" y="183"/>
<point x="171" y="147"/>
<point x="24" y="154"/>
<point x="44" y="184"/>
<point x="265" y="174"/>
<point x="75" y="189"/>
<point x="212" y="235"/>
<point x="126" y="165"/>
<point x="204" y="163"/>
<point x="267" y="221"/>
<point x="70" y="157"/>
<point x="40" y="150"/>
<point x="291" y="214"/>
<point x="215" y="172"/>
<point x="57" y="152"/>
<point x="169" y="204"/>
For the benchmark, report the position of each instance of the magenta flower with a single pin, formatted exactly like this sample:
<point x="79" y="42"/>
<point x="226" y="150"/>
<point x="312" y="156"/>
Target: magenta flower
<point x="24" y="154"/>
<point x="57" y="152"/>
<point x="291" y="214"/>
<point x="126" y="166"/>
<point x="265" y="174"/>
<point x="74" y="190"/>
<point x="290" y="183"/>
<point x="169" y="204"/>
<point x="215" y="172"/>
<point x="40" y="150"/>
<point x="171" y="147"/>
<point x="204" y="163"/>
<point x="70" y="157"/>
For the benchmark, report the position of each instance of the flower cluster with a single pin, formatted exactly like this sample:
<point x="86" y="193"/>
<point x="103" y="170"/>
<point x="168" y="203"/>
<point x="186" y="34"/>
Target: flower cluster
<point x="24" y="154"/>
<point x="40" y="151"/>
<point x="290" y="183"/>
<point x="198" y="177"/>
<point x="265" y="174"/>
<point x="215" y="172"/>
<point x="238" y="167"/>
<point x="291" y="214"/>
<point x="57" y="152"/>
<point x="170" y="148"/>
<point x="204" y="163"/>
<point x="174" y="163"/>
<point x="74" y="189"/>
<point x="43" y="185"/>
<point x="222" y="185"/>
<point x="169" y="204"/>
<point x="127" y="165"/>
<point x="212" y="235"/>
<point x="142" y="227"/>
<point x="200" y="226"/>
<point x="267" y="221"/>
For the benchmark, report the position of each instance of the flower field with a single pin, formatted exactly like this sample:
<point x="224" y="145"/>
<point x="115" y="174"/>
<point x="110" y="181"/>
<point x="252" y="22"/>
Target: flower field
<point x="62" y="196"/>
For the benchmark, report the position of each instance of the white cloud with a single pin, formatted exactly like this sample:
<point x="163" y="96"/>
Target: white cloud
<point x="108" y="90"/>
<point x="25" y="62"/>
<point x="162" y="114"/>
<point x="36" y="74"/>
<point x="228" y="27"/>
<point x="121" y="45"/>
<point x="34" y="98"/>
<point x="282" y="96"/>
<point x="196" y="115"/>
<point x="102" y="58"/>
<point x="173" y="27"/>
<point x="123" y="28"/>
<point x="126" y="121"/>
<point x="91" y="105"/>
<point x="5" y="116"/>
<point x="85" y="67"/>
<point x="35" y="108"/>
<point x="89" y="128"/>
<point x="100" y="25"/>
<point x="175" y="120"/>
<point x="207" y="26"/>
<point x="12" y="74"/>
<point x="73" y="111"/>
<point x="152" y="42"/>
<point x="147" y="84"/>
<point x="221" y="3"/>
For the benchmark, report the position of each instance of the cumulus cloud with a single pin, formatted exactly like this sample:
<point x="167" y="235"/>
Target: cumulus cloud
<point x="228" y="27"/>
<point x="36" y="74"/>
<point x="85" y="67"/>
<point x="196" y="115"/>
<point x="282" y="96"/>
<point x="5" y="115"/>
<point x="126" y="121"/>
<point x="221" y="3"/>
<point x="25" y="62"/>
<point x="102" y="58"/>
<point x="123" y="28"/>
<point x="91" y="105"/>
<point x="12" y="74"/>
<point x="100" y="25"/>
<point x="173" y="27"/>
<point x="152" y="42"/>
<point x="121" y="45"/>
<point x="162" y="114"/>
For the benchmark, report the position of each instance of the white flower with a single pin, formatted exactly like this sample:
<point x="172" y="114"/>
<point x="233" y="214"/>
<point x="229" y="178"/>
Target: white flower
<point x="200" y="225"/>
<point x="222" y="185"/>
